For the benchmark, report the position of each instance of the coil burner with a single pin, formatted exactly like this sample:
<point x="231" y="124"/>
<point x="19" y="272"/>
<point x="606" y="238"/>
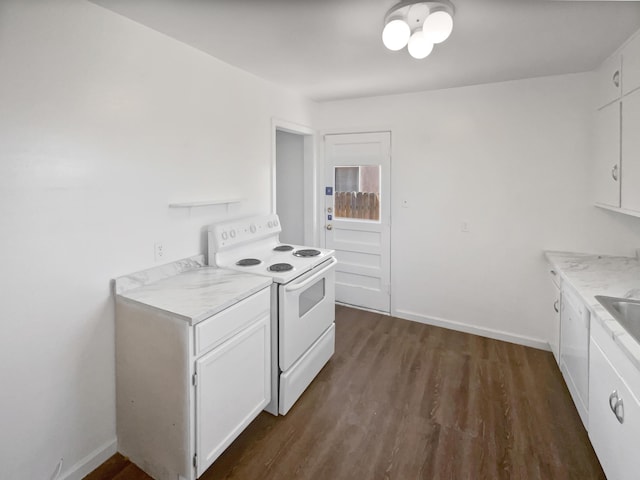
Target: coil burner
<point x="280" y="267"/>
<point x="248" y="262"/>
<point x="307" y="252"/>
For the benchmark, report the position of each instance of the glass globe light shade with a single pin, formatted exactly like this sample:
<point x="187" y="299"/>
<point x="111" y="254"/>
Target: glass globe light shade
<point x="419" y="47"/>
<point x="396" y="34"/>
<point x="438" y="26"/>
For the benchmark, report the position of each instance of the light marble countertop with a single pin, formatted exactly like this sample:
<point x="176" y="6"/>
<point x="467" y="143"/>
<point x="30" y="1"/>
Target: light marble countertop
<point x="188" y="289"/>
<point x="590" y="275"/>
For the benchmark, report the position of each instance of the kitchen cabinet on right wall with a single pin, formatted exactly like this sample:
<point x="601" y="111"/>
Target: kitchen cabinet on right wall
<point x="630" y="187"/>
<point x="616" y="166"/>
<point x="614" y="410"/>
<point x="607" y="155"/>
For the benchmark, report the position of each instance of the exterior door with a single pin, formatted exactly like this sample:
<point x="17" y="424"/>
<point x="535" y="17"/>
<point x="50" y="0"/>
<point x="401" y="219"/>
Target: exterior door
<point x="357" y="216"/>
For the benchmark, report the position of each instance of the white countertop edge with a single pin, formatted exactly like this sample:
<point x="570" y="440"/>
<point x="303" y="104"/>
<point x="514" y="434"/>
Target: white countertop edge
<point x="150" y="288"/>
<point x="618" y="334"/>
<point x="205" y="313"/>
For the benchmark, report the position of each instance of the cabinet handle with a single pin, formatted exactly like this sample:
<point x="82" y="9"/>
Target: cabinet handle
<point x="616" y="78"/>
<point x="617" y="406"/>
<point x="619" y="411"/>
<point x="614" y="172"/>
<point x="555" y="306"/>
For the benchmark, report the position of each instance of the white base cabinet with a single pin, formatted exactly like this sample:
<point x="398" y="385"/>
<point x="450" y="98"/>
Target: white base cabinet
<point x="574" y="351"/>
<point x="614" y="411"/>
<point x="554" y="309"/>
<point x="232" y="388"/>
<point x="184" y="393"/>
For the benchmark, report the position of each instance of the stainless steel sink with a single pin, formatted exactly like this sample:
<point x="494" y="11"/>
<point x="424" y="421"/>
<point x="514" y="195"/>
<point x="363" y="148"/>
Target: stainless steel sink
<point x="625" y="311"/>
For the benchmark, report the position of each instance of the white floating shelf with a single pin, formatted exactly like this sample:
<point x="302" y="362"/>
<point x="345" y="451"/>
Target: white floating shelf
<point x="624" y="211"/>
<point x="205" y="203"/>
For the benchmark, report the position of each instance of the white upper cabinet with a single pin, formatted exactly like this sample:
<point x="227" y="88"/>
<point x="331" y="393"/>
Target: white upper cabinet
<point x="609" y="79"/>
<point x="607" y="156"/>
<point x="630" y="187"/>
<point x="631" y="65"/>
<point x="616" y="165"/>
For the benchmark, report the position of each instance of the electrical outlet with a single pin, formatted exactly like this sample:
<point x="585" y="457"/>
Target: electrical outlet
<point x="464" y="226"/>
<point x="158" y="249"/>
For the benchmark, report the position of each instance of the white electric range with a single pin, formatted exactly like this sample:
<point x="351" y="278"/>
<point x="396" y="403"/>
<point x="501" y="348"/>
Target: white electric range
<point x="302" y="299"/>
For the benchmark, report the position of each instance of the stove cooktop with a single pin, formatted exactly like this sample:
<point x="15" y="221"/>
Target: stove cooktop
<point x="252" y="245"/>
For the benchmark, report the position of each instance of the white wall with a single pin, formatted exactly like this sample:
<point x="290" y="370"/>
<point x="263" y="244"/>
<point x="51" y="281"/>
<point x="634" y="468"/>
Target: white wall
<point x="290" y="186"/>
<point x="512" y="159"/>
<point x="103" y="122"/>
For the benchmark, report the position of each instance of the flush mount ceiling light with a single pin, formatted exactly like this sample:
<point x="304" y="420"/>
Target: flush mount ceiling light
<point x="418" y="25"/>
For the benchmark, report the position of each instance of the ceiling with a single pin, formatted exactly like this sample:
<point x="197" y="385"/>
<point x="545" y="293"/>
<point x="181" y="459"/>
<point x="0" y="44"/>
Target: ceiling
<point x="332" y="49"/>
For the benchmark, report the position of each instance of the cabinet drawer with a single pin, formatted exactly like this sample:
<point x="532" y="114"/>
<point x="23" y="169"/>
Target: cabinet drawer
<point x="218" y="328"/>
<point x="614" y="418"/>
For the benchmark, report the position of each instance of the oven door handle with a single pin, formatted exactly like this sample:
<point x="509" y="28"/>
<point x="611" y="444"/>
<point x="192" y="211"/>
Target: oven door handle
<point x="306" y="282"/>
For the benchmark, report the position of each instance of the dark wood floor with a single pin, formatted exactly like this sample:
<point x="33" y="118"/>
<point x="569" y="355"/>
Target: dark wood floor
<point x="402" y="400"/>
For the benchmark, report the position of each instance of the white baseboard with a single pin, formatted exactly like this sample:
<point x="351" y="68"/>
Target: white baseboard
<point x="92" y="461"/>
<point x="358" y="307"/>
<point x="473" y="329"/>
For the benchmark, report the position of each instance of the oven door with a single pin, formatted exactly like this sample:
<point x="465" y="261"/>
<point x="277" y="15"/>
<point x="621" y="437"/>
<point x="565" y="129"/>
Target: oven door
<point x="306" y="308"/>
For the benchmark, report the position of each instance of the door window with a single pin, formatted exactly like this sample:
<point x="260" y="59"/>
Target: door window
<point x="357" y="192"/>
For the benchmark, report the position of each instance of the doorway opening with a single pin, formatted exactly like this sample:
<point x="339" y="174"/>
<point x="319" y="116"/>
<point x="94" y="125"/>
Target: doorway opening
<point x="294" y="189"/>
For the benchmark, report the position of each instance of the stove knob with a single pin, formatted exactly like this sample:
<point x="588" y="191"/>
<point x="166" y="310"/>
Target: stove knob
<point x="270" y="224"/>
<point x="252" y="228"/>
<point x="224" y="235"/>
<point x="275" y="222"/>
<point x="232" y="233"/>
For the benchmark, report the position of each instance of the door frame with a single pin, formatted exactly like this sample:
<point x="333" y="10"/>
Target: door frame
<point x="321" y="196"/>
<point x="310" y="168"/>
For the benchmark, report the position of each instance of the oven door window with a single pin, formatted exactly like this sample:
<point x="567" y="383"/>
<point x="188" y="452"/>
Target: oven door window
<point x="310" y="297"/>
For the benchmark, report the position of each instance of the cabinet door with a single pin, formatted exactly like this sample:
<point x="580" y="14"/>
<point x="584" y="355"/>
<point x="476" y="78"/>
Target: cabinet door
<point x="614" y="437"/>
<point x="574" y="351"/>
<point x="631" y="63"/>
<point x="234" y="385"/>
<point x="630" y="187"/>
<point x="608" y="78"/>
<point x="607" y="156"/>
<point x="553" y="309"/>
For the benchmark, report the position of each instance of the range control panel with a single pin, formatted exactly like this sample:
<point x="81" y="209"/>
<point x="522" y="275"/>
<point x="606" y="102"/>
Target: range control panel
<point x="243" y="230"/>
